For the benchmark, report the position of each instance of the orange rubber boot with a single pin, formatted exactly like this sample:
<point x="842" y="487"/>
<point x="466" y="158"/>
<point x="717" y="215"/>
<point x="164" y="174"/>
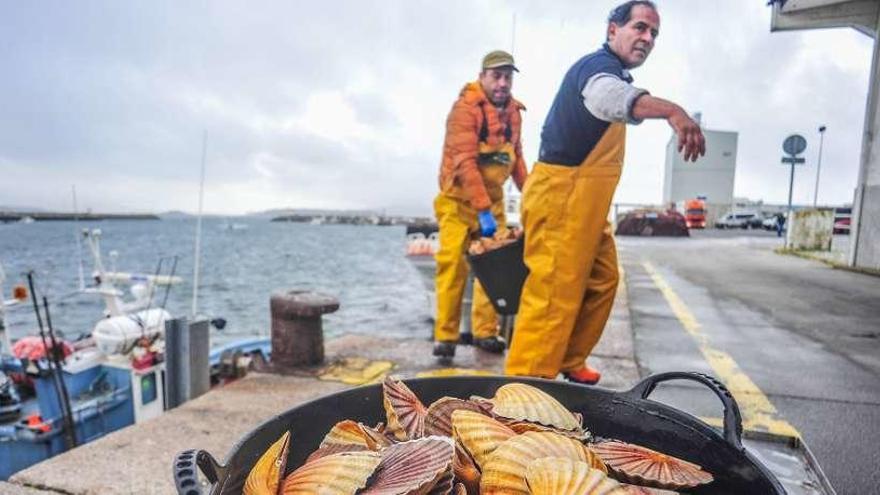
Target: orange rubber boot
<point x="584" y="376"/>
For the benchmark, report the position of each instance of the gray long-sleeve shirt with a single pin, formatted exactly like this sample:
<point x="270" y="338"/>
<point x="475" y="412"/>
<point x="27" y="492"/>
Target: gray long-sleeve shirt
<point x="610" y="98"/>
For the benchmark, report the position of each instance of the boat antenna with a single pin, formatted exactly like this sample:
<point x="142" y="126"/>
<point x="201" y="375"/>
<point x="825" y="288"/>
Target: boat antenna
<point x="78" y="235"/>
<point x="170" y="278"/>
<point x="6" y="342"/>
<point x="513" y="35"/>
<point x="56" y="358"/>
<point x="57" y="380"/>
<point x="198" y="248"/>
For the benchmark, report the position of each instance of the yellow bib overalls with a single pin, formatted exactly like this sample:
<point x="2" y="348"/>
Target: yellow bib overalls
<point x="572" y="261"/>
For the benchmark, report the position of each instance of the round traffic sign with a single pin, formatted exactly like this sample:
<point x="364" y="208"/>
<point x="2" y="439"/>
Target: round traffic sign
<point x="794" y="144"/>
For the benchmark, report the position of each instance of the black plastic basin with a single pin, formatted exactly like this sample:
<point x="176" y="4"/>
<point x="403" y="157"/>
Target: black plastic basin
<point x="626" y="416"/>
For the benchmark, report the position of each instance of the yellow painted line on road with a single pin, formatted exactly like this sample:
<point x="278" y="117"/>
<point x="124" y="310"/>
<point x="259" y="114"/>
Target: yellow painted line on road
<point x="758" y="412"/>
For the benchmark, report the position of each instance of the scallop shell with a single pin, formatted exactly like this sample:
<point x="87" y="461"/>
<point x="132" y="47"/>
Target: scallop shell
<point x="479" y="434"/>
<point x="523" y="426"/>
<point x="643" y="466"/>
<point x="528" y="403"/>
<point x="267" y="473"/>
<point x="459" y="490"/>
<point x="439" y="417"/>
<point x="466" y="473"/>
<point x="335" y="448"/>
<point x="445" y="484"/>
<point x="337" y="474"/>
<point x="644" y="490"/>
<point x="405" y="412"/>
<point x="413" y="467"/>
<point x="350" y="432"/>
<point x="504" y="471"/>
<point x="561" y="476"/>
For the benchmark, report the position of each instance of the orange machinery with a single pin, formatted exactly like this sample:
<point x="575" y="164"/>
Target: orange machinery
<point x="695" y="213"/>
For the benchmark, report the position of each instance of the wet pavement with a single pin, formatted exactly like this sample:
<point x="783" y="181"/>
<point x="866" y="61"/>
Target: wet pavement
<point x="794" y="339"/>
<point x="790" y="337"/>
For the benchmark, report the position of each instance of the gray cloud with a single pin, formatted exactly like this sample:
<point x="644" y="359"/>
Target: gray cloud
<point x="343" y="103"/>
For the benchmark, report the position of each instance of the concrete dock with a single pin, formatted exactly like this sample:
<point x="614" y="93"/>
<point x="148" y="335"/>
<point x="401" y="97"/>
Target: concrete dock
<point x="795" y="340"/>
<point x="138" y="459"/>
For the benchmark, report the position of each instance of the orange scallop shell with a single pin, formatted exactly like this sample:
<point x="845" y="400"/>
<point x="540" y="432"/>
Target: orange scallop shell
<point x="439" y="416"/>
<point x="335" y="448"/>
<point x="479" y="434"/>
<point x="643" y="466"/>
<point x="459" y="490"/>
<point x="465" y="470"/>
<point x="504" y="471"/>
<point x="524" y="426"/>
<point x="337" y="474"/>
<point x="267" y="473"/>
<point x="644" y="490"/>
<point x="562" y="476"/>
<point x="415" y="466"/>
<point x="528" y="403"/>
<point x="350" y="432"/>
<point x="405" y="412"/>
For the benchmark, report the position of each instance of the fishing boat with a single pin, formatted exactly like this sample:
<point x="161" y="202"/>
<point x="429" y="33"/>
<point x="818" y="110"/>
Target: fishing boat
<point x="56" y="394"/>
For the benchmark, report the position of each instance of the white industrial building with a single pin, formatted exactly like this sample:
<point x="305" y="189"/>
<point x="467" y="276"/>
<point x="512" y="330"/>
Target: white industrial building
<point x="710" y="177"/>
<point x="862" y="15"/>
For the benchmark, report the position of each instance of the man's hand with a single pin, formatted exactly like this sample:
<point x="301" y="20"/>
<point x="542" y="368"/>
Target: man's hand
<point x="691" y="142"/>
<point x="487" y="223"/>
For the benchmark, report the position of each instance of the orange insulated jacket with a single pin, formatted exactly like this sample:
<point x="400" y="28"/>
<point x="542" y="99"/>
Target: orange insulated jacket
<point x="459" y="173"/>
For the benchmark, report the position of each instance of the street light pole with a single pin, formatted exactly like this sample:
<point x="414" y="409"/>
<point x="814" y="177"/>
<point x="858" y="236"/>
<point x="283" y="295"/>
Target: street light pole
<point x="818" y="165"/>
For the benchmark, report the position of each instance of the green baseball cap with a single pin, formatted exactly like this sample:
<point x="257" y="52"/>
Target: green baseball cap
<point x="498" y="58"/>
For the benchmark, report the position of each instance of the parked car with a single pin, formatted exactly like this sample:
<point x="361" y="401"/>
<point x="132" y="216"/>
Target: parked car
<point x="739" y="221"/>
<point x="769" y="223"/>
<point x="842" y="226"/>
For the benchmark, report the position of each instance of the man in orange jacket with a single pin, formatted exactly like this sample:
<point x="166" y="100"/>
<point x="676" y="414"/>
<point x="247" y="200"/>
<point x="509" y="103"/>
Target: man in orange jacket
<point x="481" y="151"/>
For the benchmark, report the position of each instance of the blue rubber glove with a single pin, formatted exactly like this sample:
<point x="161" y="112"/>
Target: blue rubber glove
<point x="487" y="223"/>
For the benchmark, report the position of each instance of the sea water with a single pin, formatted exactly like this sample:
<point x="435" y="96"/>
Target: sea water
<point x="380" y="292"/>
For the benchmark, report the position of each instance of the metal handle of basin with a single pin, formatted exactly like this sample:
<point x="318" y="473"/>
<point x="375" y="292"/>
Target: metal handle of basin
<point x="186" y="478"/>
<point x="732" y="417"/>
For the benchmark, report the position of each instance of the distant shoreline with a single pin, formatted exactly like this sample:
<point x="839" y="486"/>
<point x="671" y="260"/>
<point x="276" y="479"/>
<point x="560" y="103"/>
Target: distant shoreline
<point x="19" y="216"/>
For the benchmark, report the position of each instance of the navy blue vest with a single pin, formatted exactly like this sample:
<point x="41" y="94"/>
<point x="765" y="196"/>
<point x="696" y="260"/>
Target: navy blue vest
<point x="571" y="131"/>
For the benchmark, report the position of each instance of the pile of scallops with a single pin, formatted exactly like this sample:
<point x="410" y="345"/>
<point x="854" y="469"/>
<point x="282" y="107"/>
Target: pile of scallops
<point x="521" y="441"/>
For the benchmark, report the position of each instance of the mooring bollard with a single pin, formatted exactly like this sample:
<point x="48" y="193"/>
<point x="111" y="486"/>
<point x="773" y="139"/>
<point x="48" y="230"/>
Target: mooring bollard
<point x="297" y="336"/>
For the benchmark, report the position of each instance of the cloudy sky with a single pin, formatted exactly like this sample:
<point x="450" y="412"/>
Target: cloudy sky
<point x="341" y="104"/>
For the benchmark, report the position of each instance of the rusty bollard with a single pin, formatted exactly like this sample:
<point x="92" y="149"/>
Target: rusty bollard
<point x="297" y="337"/>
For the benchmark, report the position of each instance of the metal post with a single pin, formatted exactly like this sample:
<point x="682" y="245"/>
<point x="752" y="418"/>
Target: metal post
<point x="818" y="165"/>
<point x="177" y="369"/>
<point x="788" y="216"/>
<point x="199" y="358"/>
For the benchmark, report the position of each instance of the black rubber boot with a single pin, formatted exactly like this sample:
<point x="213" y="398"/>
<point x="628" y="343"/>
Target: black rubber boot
<point x="444" y="350"/>
<point x="495" y="344"/>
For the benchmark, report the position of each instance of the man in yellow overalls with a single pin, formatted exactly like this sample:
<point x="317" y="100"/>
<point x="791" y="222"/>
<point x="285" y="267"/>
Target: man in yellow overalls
<point x="569" y="249"/>
<point x="481" y="150"/>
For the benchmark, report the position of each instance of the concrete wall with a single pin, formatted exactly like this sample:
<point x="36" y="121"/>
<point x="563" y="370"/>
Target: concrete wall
<point x="711" y="176"/>
<point x="811" y="229"/>
<point x="865" y="247"/>
<point x="866" y="250"/>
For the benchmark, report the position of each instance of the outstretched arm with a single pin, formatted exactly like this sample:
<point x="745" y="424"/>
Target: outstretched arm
<point x="690" y="138"/>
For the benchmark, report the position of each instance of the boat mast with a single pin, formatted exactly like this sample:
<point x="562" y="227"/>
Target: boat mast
<point x="4" y="333"/>
<point x="198" y="243"/>
<point x="77" y="235"/>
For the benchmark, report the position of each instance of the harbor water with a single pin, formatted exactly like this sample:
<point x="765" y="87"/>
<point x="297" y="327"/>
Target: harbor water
<point x="242" y="264"/>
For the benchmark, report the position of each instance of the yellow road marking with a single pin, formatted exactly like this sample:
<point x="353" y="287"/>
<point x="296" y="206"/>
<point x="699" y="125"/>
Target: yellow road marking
<point x="758" y="412"/>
